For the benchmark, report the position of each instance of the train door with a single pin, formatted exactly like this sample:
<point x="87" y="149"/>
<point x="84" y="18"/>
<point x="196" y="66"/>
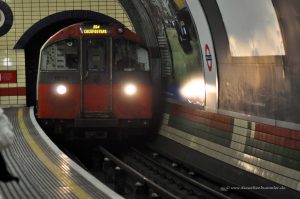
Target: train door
<point x="96" y="77"/>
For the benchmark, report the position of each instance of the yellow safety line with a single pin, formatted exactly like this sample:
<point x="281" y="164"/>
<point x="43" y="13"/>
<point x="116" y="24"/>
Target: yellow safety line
<point x="58" y="172"/>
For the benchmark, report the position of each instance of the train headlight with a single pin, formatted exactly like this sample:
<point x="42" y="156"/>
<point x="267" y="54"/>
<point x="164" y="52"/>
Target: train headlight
<point x="61" y="89"/>
<point x="130" y="89"/>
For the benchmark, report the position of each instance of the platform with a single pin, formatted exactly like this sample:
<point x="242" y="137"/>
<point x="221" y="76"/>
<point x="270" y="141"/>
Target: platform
<point x="43" y="169"/>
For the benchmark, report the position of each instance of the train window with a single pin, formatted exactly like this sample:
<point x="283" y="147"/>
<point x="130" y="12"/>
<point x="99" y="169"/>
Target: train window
<point x="96" y="54"/>
<point x="130" y="56"/>
<point x="61" y="55"/>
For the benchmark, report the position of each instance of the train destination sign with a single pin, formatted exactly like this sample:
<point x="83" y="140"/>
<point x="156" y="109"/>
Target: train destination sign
<point x="94" y="29"/>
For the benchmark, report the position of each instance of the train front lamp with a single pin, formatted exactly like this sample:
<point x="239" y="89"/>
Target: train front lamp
<point x="61" y="89"/>
<point x="130" y="89"/>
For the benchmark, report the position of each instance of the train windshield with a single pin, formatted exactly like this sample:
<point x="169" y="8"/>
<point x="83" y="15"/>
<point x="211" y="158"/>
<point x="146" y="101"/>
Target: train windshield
<point x="130" y="56"/>
<point x="61" y="55"/>
<point x="96" y="54"/>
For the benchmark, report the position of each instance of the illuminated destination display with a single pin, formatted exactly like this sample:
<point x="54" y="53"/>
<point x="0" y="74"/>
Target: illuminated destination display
<point x="94" y="29"/>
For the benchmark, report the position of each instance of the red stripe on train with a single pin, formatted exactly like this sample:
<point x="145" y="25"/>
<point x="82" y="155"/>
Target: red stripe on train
<point x="53" y="105"/>
<point x="138" y="106"/>
<point x="96" y="99"/>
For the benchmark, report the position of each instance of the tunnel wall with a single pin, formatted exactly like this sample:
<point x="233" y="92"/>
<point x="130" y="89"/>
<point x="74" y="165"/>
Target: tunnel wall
<point x="252" y="85"/>
<point x="264" y="150"/>
<point x="251" y="129"/>
<point x="265" y="87"/>
<point x="287" y="106"/>
<point x="25" y="14"/>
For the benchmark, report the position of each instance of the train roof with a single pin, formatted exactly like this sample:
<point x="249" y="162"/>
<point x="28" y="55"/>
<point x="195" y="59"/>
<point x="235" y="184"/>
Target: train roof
<point x="94" y="29"/>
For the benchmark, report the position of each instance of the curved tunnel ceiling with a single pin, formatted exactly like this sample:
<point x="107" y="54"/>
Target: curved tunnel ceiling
<point x="51" y="24"/>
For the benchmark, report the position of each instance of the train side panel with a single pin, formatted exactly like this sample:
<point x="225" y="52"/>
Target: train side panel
<point x="96" y="98"/>
<point x="80" y="79"/>
<point x="52" y="105"/>
<point x="138" y="106"/>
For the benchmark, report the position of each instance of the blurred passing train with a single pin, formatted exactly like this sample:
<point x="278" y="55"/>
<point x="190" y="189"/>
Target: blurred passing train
<point x="94" y="75"/>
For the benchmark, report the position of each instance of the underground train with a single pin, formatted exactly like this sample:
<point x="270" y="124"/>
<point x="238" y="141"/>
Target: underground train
<point x="94" y="75"/>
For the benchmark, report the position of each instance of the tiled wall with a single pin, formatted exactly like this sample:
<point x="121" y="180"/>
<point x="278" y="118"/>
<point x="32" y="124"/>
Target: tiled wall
<point x="28" y="12"/>
<point x="267" y="151"/>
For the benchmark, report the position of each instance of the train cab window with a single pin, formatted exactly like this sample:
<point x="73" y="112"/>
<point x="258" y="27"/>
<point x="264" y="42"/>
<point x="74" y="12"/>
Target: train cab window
<point x="96" y="54"/>
<point x="130" y="56"/>
<point x="61" y="55"/>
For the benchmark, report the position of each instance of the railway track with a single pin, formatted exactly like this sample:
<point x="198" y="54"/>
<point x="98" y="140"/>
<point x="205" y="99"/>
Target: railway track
<point x="142" y="184"/>
<point x="151" y="178"/>
<point x="140" y="172"/>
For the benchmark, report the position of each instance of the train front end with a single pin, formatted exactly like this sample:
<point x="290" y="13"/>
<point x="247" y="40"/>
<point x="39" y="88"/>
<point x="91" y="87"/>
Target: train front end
<point x="93" y="76"/>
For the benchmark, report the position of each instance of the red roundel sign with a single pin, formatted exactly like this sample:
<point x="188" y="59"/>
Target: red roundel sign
<point x="208" y="57"/>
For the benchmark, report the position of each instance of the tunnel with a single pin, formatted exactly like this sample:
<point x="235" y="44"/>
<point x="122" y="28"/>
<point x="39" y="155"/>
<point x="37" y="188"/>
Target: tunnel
<point x="225" y="77"/>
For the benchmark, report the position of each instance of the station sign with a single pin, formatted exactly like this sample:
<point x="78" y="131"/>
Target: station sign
<point x="208" y="57"/>
<point x="94" y="29"/>
<point x="8" y="76"/>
